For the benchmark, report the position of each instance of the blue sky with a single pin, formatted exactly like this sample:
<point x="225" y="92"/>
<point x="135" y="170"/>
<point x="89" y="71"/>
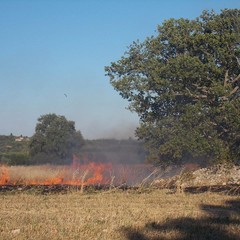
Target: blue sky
<point x="54" y="47"/>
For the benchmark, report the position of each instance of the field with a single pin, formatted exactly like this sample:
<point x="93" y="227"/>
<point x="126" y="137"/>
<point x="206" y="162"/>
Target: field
<point x="116" y="214"/>
<point x="144" y="213"/>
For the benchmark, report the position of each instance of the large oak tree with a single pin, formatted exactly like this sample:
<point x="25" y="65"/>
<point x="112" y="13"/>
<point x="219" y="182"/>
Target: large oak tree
<point x="184" y="83"/>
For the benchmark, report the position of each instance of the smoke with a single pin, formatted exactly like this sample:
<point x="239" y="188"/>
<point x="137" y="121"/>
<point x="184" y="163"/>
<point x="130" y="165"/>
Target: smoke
<point x="112" y="150"/>
<point x="122" y="130"/>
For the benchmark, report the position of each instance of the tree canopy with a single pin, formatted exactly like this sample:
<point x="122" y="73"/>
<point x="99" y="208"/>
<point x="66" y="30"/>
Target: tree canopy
<point x="55" y="140"/>
<point x="184" y="84"/>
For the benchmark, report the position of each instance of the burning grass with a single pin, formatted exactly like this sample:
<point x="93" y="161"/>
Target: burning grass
<point x="151" y="214"/>
<point x="75" y="175"/>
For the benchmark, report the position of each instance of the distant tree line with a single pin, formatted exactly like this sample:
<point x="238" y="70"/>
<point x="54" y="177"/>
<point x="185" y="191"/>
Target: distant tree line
<point x="56" y="141"/>
<point x="12" y="151"/>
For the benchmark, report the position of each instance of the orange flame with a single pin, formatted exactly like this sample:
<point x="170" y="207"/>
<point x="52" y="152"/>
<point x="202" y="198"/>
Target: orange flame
<point x="4" y="179"/>
<point x="78" y="174"/>
<point x="85" y="174"/>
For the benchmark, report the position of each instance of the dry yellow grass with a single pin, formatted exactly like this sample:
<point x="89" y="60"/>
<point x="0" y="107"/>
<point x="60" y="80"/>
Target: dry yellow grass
<point x="152" y="214"/>
<point x="20" y="174"/>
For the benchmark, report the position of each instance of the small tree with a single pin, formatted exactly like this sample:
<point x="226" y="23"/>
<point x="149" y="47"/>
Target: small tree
<point x="55" y="140"/>
<point x="185" y="86"/>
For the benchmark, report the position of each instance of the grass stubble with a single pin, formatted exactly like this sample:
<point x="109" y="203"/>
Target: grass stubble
<point x="116" y="214"/>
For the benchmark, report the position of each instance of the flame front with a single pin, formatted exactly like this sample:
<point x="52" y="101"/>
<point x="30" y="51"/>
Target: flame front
<point x="78" y="174"/>
<point x="86" y="174"/>
<point x="4" y="179"/>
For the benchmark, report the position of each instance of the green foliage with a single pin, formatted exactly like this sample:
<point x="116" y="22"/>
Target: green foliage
<point x="184" y="84"/>
<point x="12" y="151"/>
<point x="55" y="140"/>
<point x="14" y="158"/>
<point x="9" y="144"/>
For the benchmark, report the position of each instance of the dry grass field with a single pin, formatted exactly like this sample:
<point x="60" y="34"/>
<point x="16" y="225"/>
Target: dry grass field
<point x="131" y="214"/>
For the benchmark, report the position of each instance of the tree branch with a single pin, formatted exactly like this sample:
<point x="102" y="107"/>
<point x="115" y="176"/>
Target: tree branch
<point x="234" y="90"/>
<point x="236" y="79"/>
<point x="202" y="89"/>
<point x="226" y="79"/>
<point x="238" y="61"/>
<point x="196" y="96"/>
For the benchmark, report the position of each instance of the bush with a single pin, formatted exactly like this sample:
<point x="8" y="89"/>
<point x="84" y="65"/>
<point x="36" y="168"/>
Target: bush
<point x="13" y="158"/>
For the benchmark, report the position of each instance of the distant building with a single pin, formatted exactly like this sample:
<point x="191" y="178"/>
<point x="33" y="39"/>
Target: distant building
<point x="19" y="139"/>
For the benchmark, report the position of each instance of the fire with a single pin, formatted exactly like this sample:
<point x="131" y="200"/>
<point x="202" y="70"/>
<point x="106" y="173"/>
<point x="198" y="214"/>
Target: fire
<point x="85" y="174"/>
<point x="79" y="173"/>
<point x="4" y="179"/>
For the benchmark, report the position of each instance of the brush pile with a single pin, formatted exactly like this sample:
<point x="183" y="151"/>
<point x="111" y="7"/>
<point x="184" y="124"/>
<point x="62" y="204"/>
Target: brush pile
<point x="217" y="179"/>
